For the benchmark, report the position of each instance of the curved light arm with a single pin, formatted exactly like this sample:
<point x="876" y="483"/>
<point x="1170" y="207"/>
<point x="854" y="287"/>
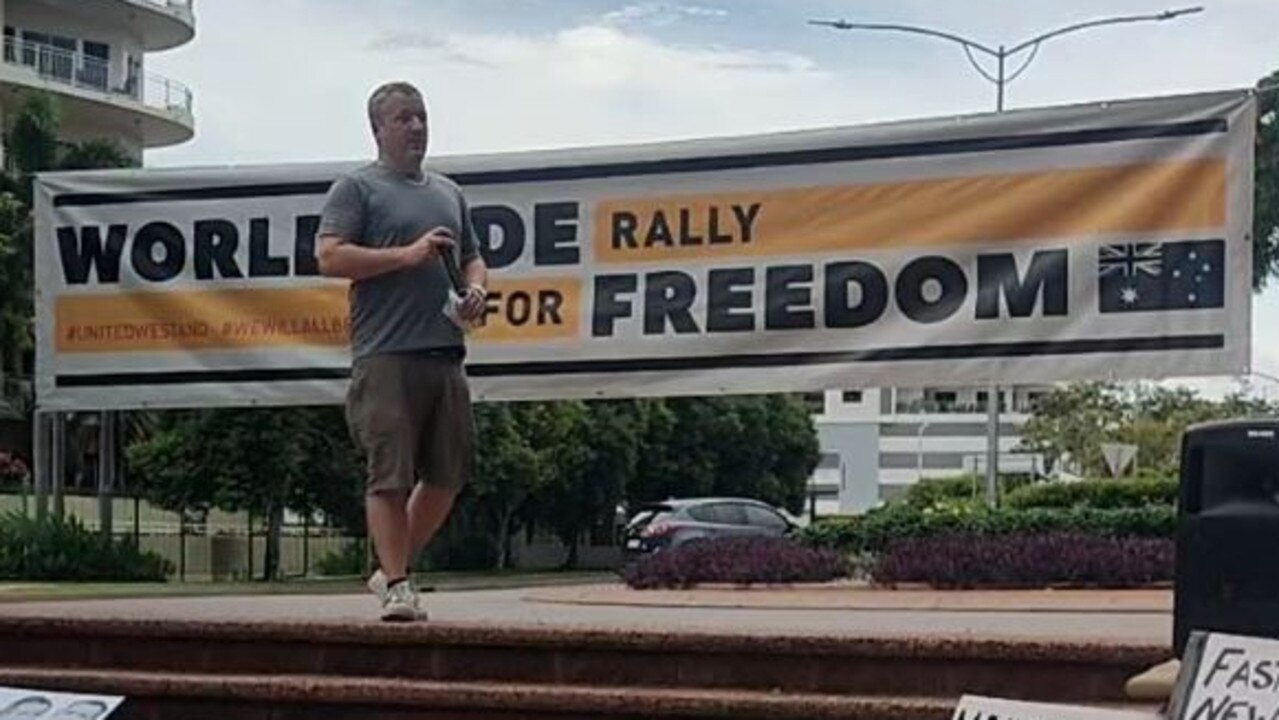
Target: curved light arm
<point x="845" y="25"/>
<point x="1166" y="15"/>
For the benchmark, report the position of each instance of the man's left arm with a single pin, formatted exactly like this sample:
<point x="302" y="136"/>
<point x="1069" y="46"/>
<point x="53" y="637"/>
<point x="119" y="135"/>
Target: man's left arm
<point x="474" y="269"/>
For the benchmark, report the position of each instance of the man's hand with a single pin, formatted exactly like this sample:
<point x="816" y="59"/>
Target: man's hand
<point x="472" y="306"/>
<point x="427" y="247"/>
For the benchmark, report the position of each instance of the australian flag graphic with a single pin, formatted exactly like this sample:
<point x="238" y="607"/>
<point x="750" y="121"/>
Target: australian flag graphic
<point x="1146" y="277"/>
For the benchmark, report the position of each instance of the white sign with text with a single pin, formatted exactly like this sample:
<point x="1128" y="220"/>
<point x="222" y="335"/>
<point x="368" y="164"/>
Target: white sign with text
<point x="975" y="707"/>
<point x="1237" y="678"/>
<point x="29" y="704"/>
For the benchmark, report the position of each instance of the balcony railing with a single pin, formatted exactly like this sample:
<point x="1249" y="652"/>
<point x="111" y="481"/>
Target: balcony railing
<point x="941" y="407"/>
<point x="77" y="69"/>
<point x="179" y="6"/>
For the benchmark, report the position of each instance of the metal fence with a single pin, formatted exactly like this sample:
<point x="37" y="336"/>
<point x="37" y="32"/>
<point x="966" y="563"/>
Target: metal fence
<point x="220" y="546"/>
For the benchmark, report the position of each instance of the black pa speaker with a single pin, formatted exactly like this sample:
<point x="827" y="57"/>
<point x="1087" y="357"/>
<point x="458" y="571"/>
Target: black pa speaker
<point x="1227" y="543"/>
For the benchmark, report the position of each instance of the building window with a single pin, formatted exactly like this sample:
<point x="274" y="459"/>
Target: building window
<point x="815" y="401"/>
<point x="983" y="400"/>
<point x="945" y="401"/>
<point x="95" y="64"/>
<point x="853" y="397"/>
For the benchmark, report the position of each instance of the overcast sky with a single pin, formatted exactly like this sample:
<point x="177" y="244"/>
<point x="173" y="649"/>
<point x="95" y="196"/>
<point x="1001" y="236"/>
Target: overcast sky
<point x="286" y="80"/>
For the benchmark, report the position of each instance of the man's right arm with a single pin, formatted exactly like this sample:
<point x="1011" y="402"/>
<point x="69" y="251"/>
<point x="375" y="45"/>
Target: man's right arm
<point x="339" y="251"/>
<point x="339" y="257"/>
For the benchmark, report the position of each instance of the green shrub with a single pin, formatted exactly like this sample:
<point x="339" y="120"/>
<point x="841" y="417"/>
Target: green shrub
<point x="970" y="488"/>
<point x="1102" y="494"/>
<point x="352" y="559"/>
<point x="930" y="492"/>
<point x="872" y="532"/>
<point x="63" y="549"/>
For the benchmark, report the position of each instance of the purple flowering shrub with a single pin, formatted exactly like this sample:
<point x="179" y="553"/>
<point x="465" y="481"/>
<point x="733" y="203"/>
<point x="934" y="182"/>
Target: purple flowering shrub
<point x="735" y="561"/>
<point x="965" y="560"/>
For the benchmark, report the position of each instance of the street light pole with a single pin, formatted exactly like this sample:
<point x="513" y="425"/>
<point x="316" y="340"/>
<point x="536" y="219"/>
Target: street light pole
<point x="1003" y="54"/>
<point x="1001" y="78"/>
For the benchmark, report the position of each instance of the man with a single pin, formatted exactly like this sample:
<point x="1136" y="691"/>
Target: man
<point x="393" y="228"/>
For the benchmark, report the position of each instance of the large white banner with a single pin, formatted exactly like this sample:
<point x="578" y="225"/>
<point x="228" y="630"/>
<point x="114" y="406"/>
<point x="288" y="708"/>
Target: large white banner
<point x="1103" y="240"/>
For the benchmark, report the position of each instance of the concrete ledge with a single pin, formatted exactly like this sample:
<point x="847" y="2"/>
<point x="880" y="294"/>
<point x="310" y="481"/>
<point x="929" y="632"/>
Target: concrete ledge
<point x="379" y="698"/>
<point x="457" y="634"/>
<point x="859" y="596"/>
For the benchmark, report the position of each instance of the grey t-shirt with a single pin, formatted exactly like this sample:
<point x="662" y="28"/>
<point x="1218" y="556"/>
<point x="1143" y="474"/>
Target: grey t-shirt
<point x="375" y="206"/>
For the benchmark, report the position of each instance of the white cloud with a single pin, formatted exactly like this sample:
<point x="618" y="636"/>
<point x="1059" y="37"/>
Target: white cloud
<point x="299" y="97"/>
<point x="658" y="13"/>
<point x="266" y="96"/>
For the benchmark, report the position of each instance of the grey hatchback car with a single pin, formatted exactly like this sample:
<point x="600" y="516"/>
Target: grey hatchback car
<point x="671" y="523"/>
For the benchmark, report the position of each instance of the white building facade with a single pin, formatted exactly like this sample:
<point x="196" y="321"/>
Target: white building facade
<point x="91" y="54"/>
<point x="876" y="443"/>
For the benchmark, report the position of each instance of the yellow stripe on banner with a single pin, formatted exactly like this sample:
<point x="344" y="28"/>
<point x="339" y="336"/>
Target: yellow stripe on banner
<point x="1148" y="197"/>
<point x="532" y="309"/>
<point x="519" y="310"/>
<point x="202" y="320"/>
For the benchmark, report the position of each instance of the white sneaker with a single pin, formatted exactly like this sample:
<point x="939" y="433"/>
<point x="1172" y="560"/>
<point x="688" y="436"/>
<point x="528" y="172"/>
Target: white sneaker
<point x="377" y="584"/>
<point x="399" y="603"/>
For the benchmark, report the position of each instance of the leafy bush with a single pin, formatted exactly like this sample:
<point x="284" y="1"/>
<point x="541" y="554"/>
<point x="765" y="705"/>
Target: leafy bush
<point x="64" y="549"/>
<point x="1105" y="494"/>
<point x="352" y="559"/>
<point x="930" y="492"/>
<point x="966" y="560"/>
<point x="877" y="529"/>
<point x="739" y="561"/>
<point x="966" y="489"/>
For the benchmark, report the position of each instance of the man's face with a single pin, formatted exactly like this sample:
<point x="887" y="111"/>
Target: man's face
<point x="402" y="133"/>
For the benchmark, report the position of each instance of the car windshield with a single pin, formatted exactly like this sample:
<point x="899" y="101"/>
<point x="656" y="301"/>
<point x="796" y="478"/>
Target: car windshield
<point x="647" y="515"/>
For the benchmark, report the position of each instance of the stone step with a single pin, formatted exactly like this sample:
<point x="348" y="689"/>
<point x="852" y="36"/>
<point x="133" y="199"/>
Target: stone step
<point x="194" y="696"/>
<point x="943" y="668"/>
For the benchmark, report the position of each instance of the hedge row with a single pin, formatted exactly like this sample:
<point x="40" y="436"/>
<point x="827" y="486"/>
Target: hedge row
<point x="1027" y="560"/>
<point x="874" y="531"/>
<point x="739" y="561"/>
<point x="1102" y="494"/>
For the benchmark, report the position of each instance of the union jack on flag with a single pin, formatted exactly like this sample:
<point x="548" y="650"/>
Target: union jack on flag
<point x="1131" y="259"/>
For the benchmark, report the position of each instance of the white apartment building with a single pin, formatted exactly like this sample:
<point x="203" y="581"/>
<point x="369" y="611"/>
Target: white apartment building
<point x="877" y="442"/>
<point x="92" y="55"/>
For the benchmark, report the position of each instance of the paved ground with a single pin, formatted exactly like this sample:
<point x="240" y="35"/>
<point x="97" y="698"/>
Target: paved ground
<point x="1106" y="617"/>
<point x="859" y="596"/>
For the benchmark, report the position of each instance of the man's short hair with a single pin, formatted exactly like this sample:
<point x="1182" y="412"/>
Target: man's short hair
<point x="382" y="93"/>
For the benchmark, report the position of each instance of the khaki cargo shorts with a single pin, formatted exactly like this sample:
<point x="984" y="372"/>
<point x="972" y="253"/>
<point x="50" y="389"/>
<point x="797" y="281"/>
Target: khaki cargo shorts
<point x="411" y="415"/>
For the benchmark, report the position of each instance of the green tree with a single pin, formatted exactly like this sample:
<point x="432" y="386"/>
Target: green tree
<point x="509" y="469"/>
<point x="31" y="145"/>
<point x="763" y="447"/>
<point x="590" y="451"/>
<point x="1266" y="206"/>
<point x="1070" y="424"/>
<point x="259" y="460"/>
